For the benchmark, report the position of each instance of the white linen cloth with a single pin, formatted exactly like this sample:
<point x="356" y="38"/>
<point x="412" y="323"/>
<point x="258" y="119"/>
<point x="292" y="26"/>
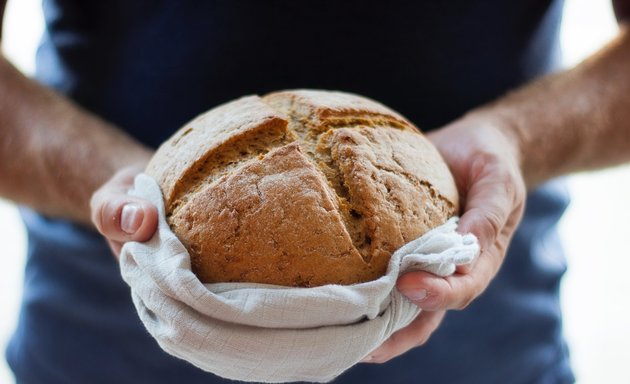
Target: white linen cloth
<point x="257" y="332"/>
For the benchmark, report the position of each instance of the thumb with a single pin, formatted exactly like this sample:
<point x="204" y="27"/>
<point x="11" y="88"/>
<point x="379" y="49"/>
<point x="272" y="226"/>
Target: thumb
<point x="120" y="217"/>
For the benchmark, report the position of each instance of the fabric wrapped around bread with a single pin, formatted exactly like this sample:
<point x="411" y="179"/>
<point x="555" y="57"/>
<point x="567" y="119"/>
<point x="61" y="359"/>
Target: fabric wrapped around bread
<point x="300" y="188"/>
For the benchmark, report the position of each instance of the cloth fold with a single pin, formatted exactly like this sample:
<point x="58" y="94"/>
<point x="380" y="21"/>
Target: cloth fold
<point x="266" y="333"/>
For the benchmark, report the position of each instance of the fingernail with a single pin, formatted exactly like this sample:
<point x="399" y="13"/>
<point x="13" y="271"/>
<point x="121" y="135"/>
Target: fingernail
<point x="131" y="218"/>
<point x="418" y="295"/>
<point x="367" y="359"/>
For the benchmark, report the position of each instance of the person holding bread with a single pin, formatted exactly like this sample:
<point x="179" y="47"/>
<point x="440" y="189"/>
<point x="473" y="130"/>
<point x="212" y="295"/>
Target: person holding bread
<point x="114" y="80"/>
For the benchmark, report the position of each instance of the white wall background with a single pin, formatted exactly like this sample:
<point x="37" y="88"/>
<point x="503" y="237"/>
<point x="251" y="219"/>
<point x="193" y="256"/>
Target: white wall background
<point x="21" y="30"/>
<point x="595" y="229"/>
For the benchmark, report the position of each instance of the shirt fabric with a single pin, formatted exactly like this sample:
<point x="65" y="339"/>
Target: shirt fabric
<point x="150" y="66"/>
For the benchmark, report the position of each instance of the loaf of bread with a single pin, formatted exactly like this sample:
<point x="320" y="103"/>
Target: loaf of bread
<point x="300" y="188"/>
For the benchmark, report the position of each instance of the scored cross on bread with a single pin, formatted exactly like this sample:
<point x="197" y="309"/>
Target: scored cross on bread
<point x="300" y="188"/>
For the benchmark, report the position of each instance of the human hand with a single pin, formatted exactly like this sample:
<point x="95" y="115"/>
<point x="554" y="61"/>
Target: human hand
<point x="485" y="161"/>
<point x="121" y="217"/>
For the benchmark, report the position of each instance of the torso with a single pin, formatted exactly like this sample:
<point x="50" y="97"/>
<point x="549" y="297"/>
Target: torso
<point x="149" y="66"/>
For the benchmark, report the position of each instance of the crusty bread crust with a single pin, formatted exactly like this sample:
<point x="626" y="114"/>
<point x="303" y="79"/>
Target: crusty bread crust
<point x="300" y="188"/>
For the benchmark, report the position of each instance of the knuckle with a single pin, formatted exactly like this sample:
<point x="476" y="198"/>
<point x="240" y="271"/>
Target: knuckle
<point x="470" y="289"/>
<point x="111" y="211"/>
<point x="440" y="301"/>
<point x="519" y="208"/>
<point x="95" y="214"/>
<point x="96" y="205"/>
<point x="444" y="298"/>
<point x="483" y="161"/>
<point x="475" y="290"/>
<point x="100" y="216"/>
<point x="108" y="219"/>
<point x="491" y="223"/>
<point x="516" y="189"/>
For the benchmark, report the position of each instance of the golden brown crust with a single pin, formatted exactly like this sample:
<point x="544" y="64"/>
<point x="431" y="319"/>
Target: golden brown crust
<point x="257" y="231"/>
<point x="321" y="110"/>
<point x="300" y="188"/>
<point x="180" y="158"/>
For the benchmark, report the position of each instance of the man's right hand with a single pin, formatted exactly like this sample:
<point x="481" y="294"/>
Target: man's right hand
<point x="119" y="216"/>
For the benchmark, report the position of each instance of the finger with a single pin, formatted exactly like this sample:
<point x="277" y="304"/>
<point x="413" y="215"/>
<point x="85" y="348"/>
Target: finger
<point x="120" y="217"/>
<point x="413" y="335"/>
<point x="493" y="210"/>
<point x="494" y="196"/>
<point x="431" y="292"/>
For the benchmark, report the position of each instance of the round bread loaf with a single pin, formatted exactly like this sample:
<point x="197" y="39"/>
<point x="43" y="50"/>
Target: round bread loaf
<point x="300" y="188"/>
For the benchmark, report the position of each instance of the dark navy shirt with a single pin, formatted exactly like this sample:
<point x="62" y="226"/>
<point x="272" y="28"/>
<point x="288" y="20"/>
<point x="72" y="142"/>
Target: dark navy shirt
<point x="149" y="66"/>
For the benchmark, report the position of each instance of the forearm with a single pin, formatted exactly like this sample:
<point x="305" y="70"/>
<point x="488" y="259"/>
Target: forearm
<point x="53" y="155"/>
<point x="571" y="121"/>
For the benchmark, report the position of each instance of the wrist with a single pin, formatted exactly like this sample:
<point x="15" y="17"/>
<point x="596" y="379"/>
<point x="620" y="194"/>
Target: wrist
<point x="516" y="140"/>
<point x="506" y="133"/>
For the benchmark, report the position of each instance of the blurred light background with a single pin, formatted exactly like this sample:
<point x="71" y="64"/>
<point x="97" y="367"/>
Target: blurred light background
<point x="595" y="228"/>
<point x="596" y="231"/>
